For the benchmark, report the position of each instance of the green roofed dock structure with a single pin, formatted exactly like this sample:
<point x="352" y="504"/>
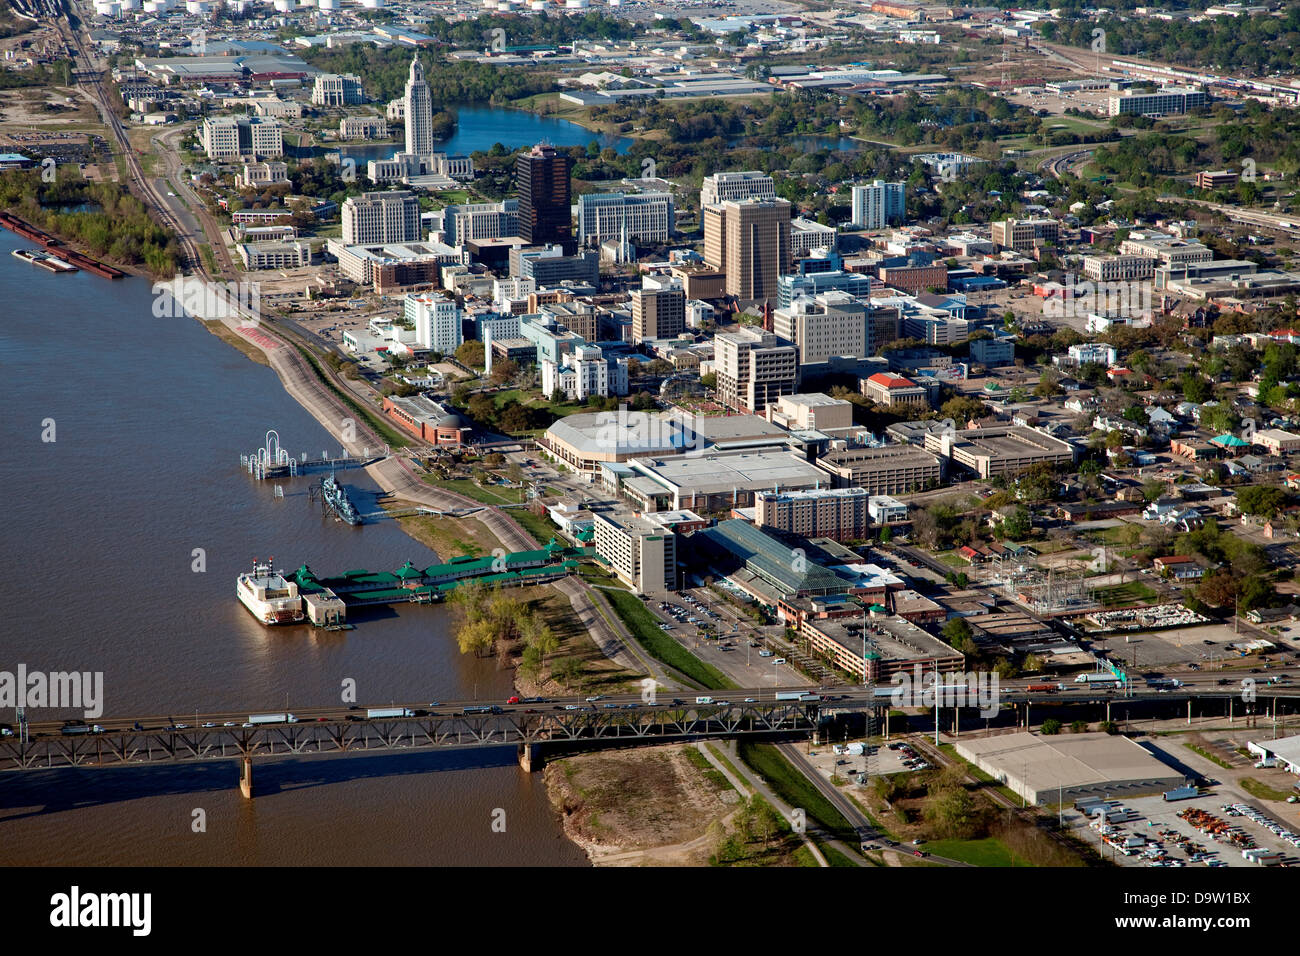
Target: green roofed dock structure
<point x="326" y="600"/>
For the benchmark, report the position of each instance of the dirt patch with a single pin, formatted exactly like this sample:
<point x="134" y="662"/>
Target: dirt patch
<point x="233" y="339"/>
<point x="653" y="800"/>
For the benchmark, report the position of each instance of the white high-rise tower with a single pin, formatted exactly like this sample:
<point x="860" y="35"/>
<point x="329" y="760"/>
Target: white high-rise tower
<point x="419" y="112"/>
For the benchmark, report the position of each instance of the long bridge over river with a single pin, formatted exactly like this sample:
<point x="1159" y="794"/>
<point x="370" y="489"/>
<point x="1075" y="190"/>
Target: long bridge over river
<point x="536" y="727"/>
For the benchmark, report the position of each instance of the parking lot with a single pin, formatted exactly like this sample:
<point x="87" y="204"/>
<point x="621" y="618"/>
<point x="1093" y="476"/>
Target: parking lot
<point x="720" y="636"/>
<point x="1171" y="839"/>
<point x="1206" y="646"/>
<point x="830" y="759"/>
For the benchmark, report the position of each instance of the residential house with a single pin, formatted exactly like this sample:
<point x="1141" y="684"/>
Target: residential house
<point x="1180" y="567"/>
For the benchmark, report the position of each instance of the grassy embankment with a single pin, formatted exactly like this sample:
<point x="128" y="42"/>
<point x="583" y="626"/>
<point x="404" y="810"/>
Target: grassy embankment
<point x="794" y="788"/>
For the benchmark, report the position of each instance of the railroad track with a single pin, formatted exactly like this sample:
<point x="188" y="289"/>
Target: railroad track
<point x="92" y="80"/>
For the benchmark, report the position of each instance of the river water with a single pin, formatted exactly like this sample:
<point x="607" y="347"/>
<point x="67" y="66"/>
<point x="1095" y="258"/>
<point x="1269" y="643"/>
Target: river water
<point x="98" y="573"/>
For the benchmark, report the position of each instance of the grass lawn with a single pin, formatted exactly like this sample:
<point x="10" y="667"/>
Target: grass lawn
<point x="1119" y="595"/>
<point x="538" y="526"/>
<point x="598" y="671"/>
<point x="794" y="788"/>
<point x="834" y="857"/>
<point x="596" y="574"/>
<point x="492" y="495"/>
<point x="537" y="400"/>
<point x="1263" y="790"/>
<point x="1107" y="535"/>
<point x="953" y="560"/>
<point x="633" y="613"/>
<point x="449" y="537"/>
<point x="988" y="851"/>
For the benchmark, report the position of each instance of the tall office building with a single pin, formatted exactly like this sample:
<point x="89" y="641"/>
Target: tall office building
<point x="1021" y="235"/>
<point x="831" y="325"/>
<point x="658" y="310"/>
<point x="481" y="220"/>
<point x="727" y="187"/>
<point x="436" y="318"/>
<point x="419" y="112"/>
<point x="749" y="240"/>
<point x="754" y="369"/>
<point x="542" y="185"/>
<point x="375" y="218"/>
<point x="878" y="205"/>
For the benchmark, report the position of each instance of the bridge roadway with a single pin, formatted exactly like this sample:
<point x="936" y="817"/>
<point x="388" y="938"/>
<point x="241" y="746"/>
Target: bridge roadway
<point x="534" y="725"/>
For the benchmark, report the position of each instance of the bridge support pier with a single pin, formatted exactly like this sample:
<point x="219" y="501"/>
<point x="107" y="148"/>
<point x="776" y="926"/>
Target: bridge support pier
<point x="246" y="777"/>
<point x="530" y="757"/>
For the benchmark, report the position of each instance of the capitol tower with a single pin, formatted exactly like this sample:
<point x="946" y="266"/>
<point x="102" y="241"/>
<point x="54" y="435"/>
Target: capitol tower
<point x="419" y="112"/>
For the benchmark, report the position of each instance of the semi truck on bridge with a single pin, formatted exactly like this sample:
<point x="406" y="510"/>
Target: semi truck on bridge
<point x="389" y="712"/>
<point x="256" y="719"/>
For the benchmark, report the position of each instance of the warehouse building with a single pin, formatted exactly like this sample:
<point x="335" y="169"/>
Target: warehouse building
<point x="1063" y="769"/>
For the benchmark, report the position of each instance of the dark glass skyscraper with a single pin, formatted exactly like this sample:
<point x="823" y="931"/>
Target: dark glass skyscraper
<point x="542" y="185"/>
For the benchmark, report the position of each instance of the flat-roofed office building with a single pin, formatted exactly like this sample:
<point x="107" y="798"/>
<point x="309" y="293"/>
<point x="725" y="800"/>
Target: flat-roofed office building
<point x="878" y="648"/>
<point x="750" y="242"/>
<point x="658" y="309"/>
<point x="724" y="187"/>
<point x="1009" y="450"/>
<point x="838" y="513"/>
<point x="641" y="553"/>
<point x="891" y="470"/>
<point x="381" y="217"/>
<point x="640" y="217"/>
<point x="754" y="368"/>
<point x="716" y="482"/>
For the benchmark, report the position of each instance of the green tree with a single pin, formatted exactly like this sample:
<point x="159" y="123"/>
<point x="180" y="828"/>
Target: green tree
<point x="1051" y="727"/>
<point x="1017" y="525"/>
<point x="1262" y="500"/>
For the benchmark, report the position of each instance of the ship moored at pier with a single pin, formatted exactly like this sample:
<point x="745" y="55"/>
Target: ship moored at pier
<point x="269" y="595"/>
<point x="274" y="597"/>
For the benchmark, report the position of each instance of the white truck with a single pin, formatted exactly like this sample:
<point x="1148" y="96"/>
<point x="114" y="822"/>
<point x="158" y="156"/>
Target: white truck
<point x="256" y="719"/>
<point x="389" y="712"/>
<point x="1097" y="680"/>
